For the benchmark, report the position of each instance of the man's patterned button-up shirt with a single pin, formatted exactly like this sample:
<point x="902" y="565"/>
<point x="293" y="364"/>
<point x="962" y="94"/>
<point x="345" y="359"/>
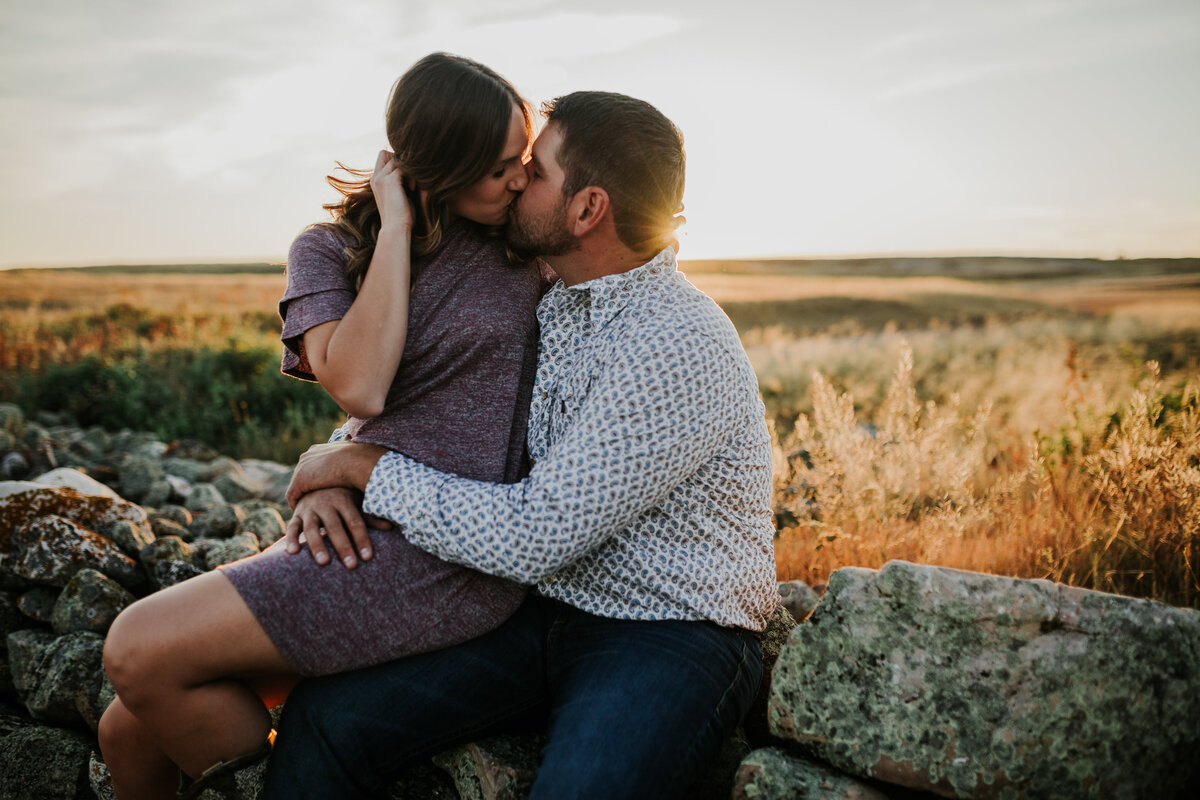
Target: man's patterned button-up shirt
<point x="650" y="492"/>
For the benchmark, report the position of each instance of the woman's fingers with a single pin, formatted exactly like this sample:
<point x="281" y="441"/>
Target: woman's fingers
<point x="356" y="526"/>
<point x="327" y="520"/>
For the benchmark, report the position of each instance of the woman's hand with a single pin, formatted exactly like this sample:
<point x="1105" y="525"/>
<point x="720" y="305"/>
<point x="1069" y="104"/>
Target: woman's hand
<point x="387" y="184"/>
<point x="336" y="464"/>
<point x="333" y="514"/>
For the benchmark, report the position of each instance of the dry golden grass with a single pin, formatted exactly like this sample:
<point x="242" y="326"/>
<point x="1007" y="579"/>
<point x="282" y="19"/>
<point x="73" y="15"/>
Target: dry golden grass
<point x="976" y="415"/>
<point x="47" y="293"/>
<point x="1117" y="509"/>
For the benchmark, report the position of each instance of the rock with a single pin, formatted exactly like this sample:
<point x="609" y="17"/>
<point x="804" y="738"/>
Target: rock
<point x="22" y="502"/>
<point x="204" y="496"/>
<point x="38" y="603"/>
<point x="56" y="680"/>
<point x="164" y="526"/>
<point x="92" y="701"/>
<point x="129" y="537"/>
<point x="150" y="448"/>
<point x="235" y="485"/>
<point x="95" y="442"/>
<point x="168" y="548"/>
<point x="138" y="474"/>
<point x="39" y="763"/>
<point x="175" y="513"/>
<point x="423" y="782"/>
<point x="771" y="641"/>
<point x="498" y="768"/>
<point x="35" y="435"/>
<point x="181" y="490"/>
<point x="64" y="478"/>
<point x="271" y="475"/>
<point x="11" y="618"/>
<point x="13" y="465"/>
<point x="159" y="493"/>
<point x="218" y="522"/>
<point x="190" y="470"/>
<point x="772" y="774"/>
<point x="169" y="573"/>
<point x="230" y="550"/>
<point x="99" y="778"/>
<point x="719" y="774"/>
<point x="217" y="466"/>
<point x="90" y="602"/>
<point x="798" y="599"/>
<point x="12" y="419"/>
<point x="192" y="449"/>
<point x="11" y="621"/>
<point x="52" y="549"/>
<point x="265" y="523"/>
<point x="978" y="686"/>
<point x="25" y="650"/>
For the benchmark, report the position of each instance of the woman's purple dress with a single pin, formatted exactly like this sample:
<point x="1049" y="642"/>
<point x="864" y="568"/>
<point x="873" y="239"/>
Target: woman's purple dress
<point x="460" y="403"/>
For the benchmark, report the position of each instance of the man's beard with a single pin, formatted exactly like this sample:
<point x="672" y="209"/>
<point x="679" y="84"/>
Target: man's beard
<point x="546" y="235"/>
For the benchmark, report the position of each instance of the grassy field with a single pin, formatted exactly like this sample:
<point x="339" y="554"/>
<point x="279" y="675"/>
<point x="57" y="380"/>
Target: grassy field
<point x="1027" y="417"/>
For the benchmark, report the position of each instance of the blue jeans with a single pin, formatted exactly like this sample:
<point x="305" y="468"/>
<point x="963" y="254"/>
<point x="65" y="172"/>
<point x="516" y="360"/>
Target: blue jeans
<point x="631" y="709"/>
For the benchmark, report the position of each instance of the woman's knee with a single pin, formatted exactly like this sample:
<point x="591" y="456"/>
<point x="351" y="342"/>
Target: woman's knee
<point x="133" y="649"/>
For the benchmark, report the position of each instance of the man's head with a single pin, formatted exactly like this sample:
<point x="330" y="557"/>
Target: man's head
<point x="602" y="143"/>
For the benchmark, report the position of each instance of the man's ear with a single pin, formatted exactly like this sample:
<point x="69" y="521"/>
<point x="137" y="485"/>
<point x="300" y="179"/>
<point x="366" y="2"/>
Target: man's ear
<point x="588" y="209"/>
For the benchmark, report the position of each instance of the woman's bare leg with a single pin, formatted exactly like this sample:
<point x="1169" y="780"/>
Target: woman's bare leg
<point x="189" y="664"/>
<point x="139" y="769"/>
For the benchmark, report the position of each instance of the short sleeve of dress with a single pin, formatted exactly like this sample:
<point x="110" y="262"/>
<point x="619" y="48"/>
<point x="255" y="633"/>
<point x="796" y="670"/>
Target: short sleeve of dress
<point x="317" y="292"/>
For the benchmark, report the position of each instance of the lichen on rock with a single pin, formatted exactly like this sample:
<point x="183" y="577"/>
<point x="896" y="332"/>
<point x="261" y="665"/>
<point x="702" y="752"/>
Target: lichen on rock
<point x="980" y="686"/>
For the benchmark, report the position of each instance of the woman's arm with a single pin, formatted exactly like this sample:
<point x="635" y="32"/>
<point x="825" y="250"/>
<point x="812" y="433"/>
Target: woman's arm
<point x="355" y="358"/>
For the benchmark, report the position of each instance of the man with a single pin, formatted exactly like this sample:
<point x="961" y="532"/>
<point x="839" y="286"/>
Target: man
<point x="644" y="525"/>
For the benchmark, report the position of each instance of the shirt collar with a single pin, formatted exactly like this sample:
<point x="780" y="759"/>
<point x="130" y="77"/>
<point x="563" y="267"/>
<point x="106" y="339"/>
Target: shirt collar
<point x="606" y="296"/>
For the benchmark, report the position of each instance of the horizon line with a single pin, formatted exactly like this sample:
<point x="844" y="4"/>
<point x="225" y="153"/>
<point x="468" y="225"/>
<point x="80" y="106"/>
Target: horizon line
<point x="918" y="254"/>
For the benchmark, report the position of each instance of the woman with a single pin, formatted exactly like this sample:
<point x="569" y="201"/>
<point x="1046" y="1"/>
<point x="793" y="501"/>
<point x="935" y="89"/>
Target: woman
<point x="194" y="686"/>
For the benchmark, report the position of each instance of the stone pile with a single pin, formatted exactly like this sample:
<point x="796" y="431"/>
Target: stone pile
<point x="906" y="682"/>
<point x="89" y="522"/>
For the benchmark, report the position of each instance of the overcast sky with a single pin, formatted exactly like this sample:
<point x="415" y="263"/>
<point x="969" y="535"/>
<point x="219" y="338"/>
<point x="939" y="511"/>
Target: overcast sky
<point x="136" y="131"/>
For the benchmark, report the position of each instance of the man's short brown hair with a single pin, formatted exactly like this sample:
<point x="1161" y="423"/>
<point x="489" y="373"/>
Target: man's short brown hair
<point x="628" y="148"/>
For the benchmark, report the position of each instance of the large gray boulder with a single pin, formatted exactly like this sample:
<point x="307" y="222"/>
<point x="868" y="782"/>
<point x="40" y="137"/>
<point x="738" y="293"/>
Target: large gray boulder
<point x="978" y="686"/>
<point x="90" y="602"/>
<point x="59" y="678"/>
<point x="499" y="768"/>
<point x="138" y="474"/>
<point x="39" y="763"/>
<point x="772" y="774"/>
<point x="51" y="549"/>
<point x="22" y="502"/>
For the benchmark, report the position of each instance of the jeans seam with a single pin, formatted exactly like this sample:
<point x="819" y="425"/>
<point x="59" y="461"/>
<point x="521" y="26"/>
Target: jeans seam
<point x="725" y="699"/>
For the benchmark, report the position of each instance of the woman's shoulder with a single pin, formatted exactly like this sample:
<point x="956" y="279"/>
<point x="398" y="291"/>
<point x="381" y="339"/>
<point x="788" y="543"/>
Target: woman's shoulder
<point x="317" y="260"/>
<point x="320" y="239"/>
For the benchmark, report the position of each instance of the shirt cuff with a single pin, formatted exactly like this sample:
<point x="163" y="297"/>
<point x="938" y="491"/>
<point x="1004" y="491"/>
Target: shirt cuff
<point x="403" y="491"/>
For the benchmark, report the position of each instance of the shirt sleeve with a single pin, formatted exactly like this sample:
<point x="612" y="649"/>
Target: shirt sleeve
<point x="317" y="291"/>
<point x="644" y="427"/>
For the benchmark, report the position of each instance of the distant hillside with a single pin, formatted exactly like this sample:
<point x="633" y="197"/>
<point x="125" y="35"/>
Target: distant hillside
<point x="967" y="267"/>
<point x="261" y="268"/>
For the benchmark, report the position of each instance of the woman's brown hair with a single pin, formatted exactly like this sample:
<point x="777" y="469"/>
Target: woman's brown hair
<point x="447" y="122"/>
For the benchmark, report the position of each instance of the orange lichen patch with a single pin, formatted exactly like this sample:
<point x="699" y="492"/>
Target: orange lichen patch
<point x="25" y="502"/>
